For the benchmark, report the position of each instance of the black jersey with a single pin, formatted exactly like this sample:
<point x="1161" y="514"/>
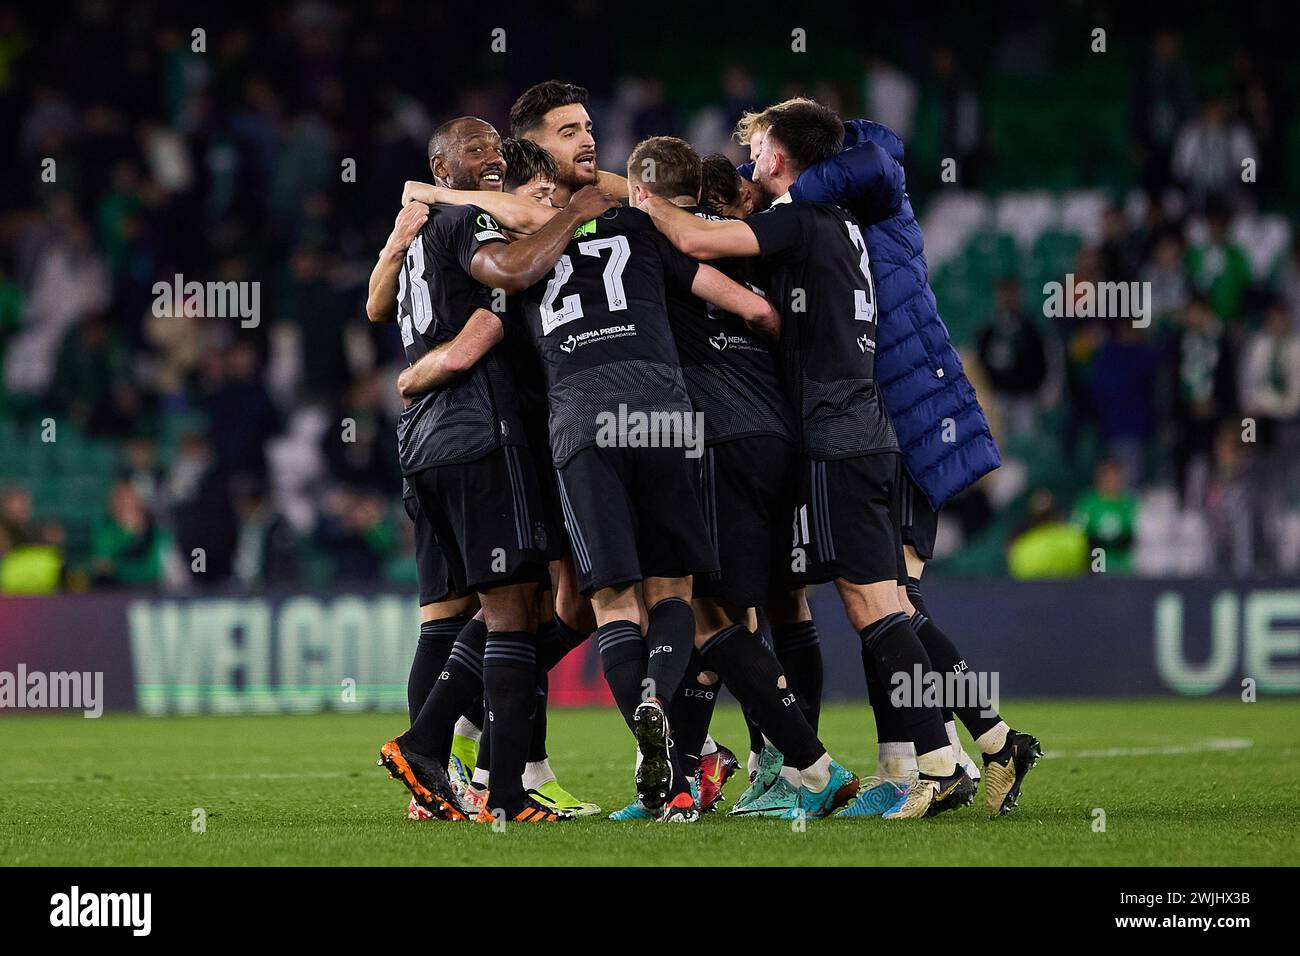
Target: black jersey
<point x="525" y="367"/>
<point x="477" y="412"/>
<point x="731" y="374"/>
<point x="819" y="278"/>
<point x="599" y="321"/>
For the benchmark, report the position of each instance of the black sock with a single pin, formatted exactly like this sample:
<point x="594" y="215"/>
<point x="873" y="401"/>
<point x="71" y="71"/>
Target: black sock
<point x="537" y="748"/>
<point x="475" y="713"/>
<point x="946" y="659"/>
<point x="461" y="680"/>
<point x="753" y="674"/>
<point x="765" y="629"/>
<point x="889" y="730"/>
<point x="799" y="650"/>
<point x="690" y="713"/>
<point x="622" y="654"/>
<point x="892" y="647"/>
<point x="914" y="595"/>
<point x="557" y="640"/>
<point x="510" y="682"/>
<point x="484" y="759"/>
<point x="436" y="639"/>
<point x="756" y="741"/>
<point x="670" y="639"/>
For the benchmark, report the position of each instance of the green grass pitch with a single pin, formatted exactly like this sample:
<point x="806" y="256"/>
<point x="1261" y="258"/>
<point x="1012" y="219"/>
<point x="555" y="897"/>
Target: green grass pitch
<point x="1179" y="783"/>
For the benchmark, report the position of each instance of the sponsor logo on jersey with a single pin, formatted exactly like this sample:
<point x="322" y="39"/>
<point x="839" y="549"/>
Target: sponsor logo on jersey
<point x="597" y="335"/>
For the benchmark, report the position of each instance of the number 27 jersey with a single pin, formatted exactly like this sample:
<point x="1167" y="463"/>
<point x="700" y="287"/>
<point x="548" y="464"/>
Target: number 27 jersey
<point x="599" y="322"/>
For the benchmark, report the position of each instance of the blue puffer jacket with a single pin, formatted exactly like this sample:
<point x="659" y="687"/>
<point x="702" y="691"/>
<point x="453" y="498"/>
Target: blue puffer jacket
<point x="920" y="375"/>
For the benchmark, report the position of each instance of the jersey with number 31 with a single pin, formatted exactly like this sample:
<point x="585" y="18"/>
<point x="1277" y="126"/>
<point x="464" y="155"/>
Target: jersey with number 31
<point x="599" y="322"/>
<point x="819" y="277"/>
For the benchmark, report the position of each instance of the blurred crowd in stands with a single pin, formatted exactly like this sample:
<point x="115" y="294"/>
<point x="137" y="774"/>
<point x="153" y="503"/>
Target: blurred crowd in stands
<point x="192" y="451"/>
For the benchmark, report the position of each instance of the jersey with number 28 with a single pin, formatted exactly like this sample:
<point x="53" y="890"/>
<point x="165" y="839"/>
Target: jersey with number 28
<point x="474" y="414"/>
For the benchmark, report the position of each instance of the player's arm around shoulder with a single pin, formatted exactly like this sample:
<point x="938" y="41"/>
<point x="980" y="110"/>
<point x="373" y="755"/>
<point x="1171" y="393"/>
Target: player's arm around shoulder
<point x="516" y="213"/>
<point x="718" y="290"/>
<point x="701" y="238"/>
<point x="381" y="296"/>
<point x="441" y="365"/>
<point x="514" y="266"/>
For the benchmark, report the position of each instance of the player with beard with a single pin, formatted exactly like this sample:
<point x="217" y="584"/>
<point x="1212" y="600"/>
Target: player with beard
<point x="733" y="380"/>
<point x="463" y="451"/>
<point x="846" y="526"/>
<point x="867" y="177"/>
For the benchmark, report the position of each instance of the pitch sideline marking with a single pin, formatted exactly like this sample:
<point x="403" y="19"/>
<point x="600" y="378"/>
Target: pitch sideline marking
<point x="1212" y="745"/>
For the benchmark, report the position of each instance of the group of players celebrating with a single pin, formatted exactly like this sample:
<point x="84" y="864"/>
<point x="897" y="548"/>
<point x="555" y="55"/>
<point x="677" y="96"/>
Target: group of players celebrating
<point x="536" y="309"/>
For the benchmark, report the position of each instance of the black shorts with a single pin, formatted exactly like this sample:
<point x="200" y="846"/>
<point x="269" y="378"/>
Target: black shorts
<point x="747" y="488"/>
<point x="488" y="518"/>
<point x="846" y="520"/>
<point x="919" y="522"/>
<point x="430" y="565"/>
<point x="557" y="545"/>
<point x="633" y="513"/>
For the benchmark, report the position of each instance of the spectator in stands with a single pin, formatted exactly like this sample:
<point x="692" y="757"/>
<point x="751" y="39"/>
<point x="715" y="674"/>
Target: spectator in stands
<point x="140" y="467"/>
<point x="362" y="452"/>
<point x="1167" y="275"/>
<point x="356" y="533"/>
<point x="1080" y="341"/>
<point x="241" y="412"/>
<point x="890" y="96"/>
<point x="1204" y="366"/>
<point x="1289" y="281"/>
<point x="266" y="554"/>
<point x="16" y="524"/>
<point x="127" y="546"/>
<point x="68" y="281"/>
<point x="1108" y="514"/>
<point x="960" y="115"/>
<point x="1122" y="386"/>
<point x="203" y="515"/>
<point x="1164" y="96"/>
<point x="31" y="551"/>
<point x="1121" y="247"/>
<point x="1015" y="357"/>
<point x="1270" y="394"/>
<point x="36" y="567"/>
<point x="1230" y="504"/>
<point x="1254" y="102"/>
<point x="1218" y="267"/>
<point x="94" y="380"/>
<point x="1045" y="545"/>
<point x="1208" y="156"/>
<point x="322" y="318"/>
